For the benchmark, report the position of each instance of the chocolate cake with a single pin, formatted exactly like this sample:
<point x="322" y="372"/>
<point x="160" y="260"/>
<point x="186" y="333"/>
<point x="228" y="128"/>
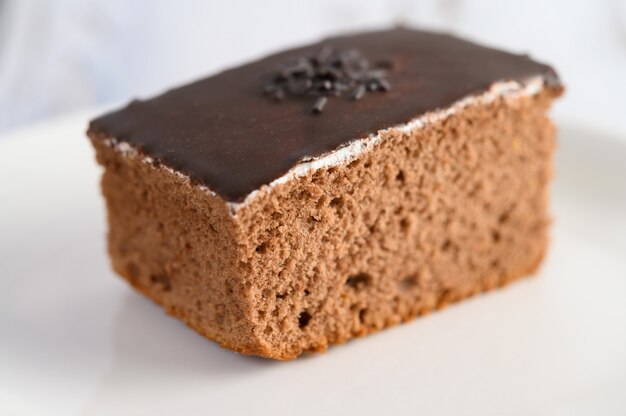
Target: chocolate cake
<point x="332" y="190"/>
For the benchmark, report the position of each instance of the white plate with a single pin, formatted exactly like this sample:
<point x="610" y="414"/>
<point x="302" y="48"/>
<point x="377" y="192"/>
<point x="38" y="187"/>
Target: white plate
<point x="75" y="339"/>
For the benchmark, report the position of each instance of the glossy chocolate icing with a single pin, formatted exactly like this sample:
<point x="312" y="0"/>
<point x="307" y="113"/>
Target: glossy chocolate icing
<point x="225" y="134"/>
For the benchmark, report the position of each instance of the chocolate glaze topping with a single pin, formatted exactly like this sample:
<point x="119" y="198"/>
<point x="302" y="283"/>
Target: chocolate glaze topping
<point x="224" y="133"/>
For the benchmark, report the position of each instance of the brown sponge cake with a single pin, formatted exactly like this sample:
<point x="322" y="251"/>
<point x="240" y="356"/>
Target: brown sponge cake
<point x="278" y="212"/>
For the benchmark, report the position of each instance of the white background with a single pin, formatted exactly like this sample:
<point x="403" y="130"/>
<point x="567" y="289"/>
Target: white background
<point x="62" y="55"/>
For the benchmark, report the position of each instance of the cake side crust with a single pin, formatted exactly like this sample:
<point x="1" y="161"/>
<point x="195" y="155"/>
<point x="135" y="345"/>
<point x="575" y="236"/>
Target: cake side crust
<point x="175" y="243"/>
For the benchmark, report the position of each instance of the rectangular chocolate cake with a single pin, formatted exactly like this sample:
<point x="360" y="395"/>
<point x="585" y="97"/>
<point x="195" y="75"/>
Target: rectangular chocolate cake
<point x="332" y="190"/>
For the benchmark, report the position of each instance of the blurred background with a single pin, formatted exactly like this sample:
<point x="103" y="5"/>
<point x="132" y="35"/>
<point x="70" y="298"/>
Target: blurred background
<point x="74" y="340"/>
<point x="58" y="56"/>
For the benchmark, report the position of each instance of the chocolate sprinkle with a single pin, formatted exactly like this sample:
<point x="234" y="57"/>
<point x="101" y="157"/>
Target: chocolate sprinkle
<point x="358" y="92"/>
<point x="319" y="105"/>
<point x="329" y="73"/>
